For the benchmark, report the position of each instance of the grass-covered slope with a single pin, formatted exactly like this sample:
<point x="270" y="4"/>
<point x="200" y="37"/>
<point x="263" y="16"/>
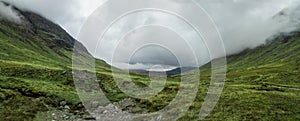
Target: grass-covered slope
<point x="262" y="83"/>
<point x="35" y="68"/>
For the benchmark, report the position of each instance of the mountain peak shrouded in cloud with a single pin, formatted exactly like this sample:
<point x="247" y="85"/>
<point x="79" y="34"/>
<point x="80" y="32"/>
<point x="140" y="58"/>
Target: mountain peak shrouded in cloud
<point x="32" y="26"/>
<point x="70" y="14"/>
<point x="8" y="13"/>
<point x="242" y="23"/>
<point x="248" y="23"/>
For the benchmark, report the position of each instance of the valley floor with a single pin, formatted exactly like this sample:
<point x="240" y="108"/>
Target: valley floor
<point x="252" y="94"/>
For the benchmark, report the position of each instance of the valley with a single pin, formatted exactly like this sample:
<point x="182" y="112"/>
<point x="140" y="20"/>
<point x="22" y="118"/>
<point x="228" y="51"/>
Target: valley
<point x="36" y="78"/>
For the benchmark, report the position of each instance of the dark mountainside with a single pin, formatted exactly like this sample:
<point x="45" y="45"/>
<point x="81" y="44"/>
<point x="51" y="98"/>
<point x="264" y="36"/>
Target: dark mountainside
<point x="180" y="70"/>
<point x="36" y="80"/>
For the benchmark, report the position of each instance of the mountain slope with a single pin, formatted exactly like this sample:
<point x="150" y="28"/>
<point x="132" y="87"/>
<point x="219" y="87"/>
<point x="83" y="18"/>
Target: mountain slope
<point x="262" y="83"/>
<point x="37" y="41"/>
<point x="36" y="67"/>
<point x="180" y="70"/>
<point x="172" y="72"/>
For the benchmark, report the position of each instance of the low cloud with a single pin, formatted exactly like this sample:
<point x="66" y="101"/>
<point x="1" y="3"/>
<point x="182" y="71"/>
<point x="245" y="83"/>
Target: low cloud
<point x="249" y="23"/>
<point x="242" y="24"/>
<point x="7" y="13"/>
<point x="143" y="66"/>
<point x="70" y="14"/>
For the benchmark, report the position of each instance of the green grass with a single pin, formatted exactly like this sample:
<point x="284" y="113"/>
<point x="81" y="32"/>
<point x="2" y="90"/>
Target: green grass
<point x="36" y="75"/>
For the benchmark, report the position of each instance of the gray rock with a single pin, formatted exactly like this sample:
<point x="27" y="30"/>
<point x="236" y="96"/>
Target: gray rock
<point x="67" y="107"/>
<point x="63" y="103"/>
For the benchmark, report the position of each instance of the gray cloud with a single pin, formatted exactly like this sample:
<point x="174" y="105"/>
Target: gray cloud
<point x="7" y="13"/>
<point x="248" y="23"/>
<point x="70" y="14"/>
<point x="242" y="24"/>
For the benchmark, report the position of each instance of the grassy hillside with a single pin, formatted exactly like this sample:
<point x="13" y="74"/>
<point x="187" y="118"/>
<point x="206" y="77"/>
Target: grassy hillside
<point x="262" y="83"/>
<point x="36" y="78"/>
<point x="35" y="68"/>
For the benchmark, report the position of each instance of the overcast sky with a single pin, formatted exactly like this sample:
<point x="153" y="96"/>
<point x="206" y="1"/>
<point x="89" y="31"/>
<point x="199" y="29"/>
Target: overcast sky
<point x="242" y="24"/>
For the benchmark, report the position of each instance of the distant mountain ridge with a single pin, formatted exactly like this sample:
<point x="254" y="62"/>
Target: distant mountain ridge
<point x="175" y="71"/>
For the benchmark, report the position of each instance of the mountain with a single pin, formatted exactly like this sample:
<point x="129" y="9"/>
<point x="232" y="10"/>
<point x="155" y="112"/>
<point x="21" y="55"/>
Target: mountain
<point x="172" y="72"/>
<point x="139" y="71"/>
<point x="37" y="40"/>
<point x="180" y="70"/>
<point x="36" y="67"/>
<point x="262" y="83"/>
<point x="36" y="80"/>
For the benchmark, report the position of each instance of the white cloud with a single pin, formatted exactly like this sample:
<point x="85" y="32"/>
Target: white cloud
<point x="7" y="13"/>
<point x="248" y="23"/>
<point x="70" y="14"/>
<point x="142" y="66"/>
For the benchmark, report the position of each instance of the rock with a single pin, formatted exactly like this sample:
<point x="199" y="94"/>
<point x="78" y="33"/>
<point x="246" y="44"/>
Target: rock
<point x="89" y="118"/>
<point x="94" y="104"/>
<point x="67" y="107"/>
<point x="125" y="103"/>
<point x="105" y="112"/>
<point x="159" y="118"/>
<point x="63" y="103"/>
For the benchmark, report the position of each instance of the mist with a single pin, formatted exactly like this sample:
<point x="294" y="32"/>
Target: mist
<point x="7" y="13"/>
<point x="242" y="24"/>
<point x="249" y="23"/>
<point x="70" y="14"/>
